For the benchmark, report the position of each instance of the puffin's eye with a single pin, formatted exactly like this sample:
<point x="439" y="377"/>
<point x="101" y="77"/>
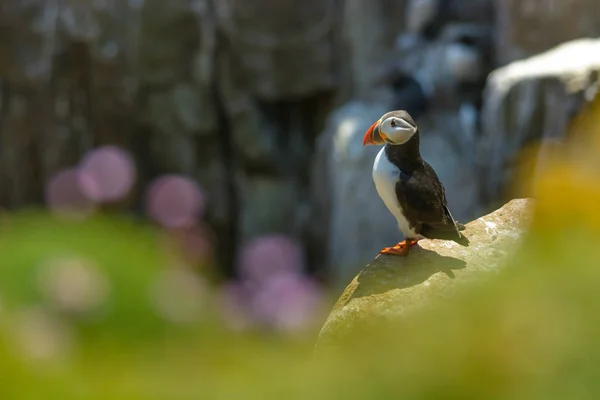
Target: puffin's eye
<point x="393" y="123"/>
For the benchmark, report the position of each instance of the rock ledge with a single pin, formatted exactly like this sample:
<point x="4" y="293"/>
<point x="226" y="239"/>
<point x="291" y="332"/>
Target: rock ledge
<point x="389" y="286"/>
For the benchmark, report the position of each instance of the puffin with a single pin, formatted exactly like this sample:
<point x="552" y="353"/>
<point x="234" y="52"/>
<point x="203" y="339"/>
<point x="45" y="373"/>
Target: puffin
<point x="408" y="185"/>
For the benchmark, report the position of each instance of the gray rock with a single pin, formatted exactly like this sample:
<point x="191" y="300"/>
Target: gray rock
<point x="420" y="13"/>
<point x="278" y="65"/>
<point x="531" y="101"/>
<point x="429" y="17"/>
<point x="282" y="49"/>
<point x="451" y="69"/>
<point x="391" y="287"/>
<point x="371" y="28"/>
<point x="525" y="28"/>
<point x="467" y="56"/>
<point x="470" y="11"/>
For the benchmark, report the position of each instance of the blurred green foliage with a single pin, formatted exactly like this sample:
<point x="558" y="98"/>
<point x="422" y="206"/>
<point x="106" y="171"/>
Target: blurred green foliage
<point x="530" y="333"/>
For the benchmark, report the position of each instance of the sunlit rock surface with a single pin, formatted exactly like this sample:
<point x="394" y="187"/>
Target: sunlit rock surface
<point x="391" y="286"/>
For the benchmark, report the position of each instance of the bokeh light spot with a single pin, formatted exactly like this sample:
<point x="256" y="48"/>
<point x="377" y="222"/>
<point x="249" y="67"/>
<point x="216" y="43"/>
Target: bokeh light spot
<point x="113" y="171"/>
<point x="73" y="285"/>
<point x="42" y="336"/>
<point x="288" y="302"/>
<point x="175" y="201"/>
<point x="267" y="256"/>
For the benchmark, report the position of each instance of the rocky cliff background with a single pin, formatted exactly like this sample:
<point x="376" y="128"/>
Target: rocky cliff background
<point x="252" y="112"/>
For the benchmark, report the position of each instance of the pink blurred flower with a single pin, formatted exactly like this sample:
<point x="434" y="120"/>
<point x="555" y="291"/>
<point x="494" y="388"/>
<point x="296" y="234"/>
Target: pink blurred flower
<point x="267" y="256"/>
<point x="69" y="192"/>
<point x="112" y="169"/>
<point x="288" y="302"/>
<point x="175" y="201"/>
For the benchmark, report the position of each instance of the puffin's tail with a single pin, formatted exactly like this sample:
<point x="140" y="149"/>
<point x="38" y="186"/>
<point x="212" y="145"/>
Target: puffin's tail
<point x="462" y="239"/>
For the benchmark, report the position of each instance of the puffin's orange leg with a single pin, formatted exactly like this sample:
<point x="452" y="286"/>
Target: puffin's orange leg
<point x="401" y="249"/>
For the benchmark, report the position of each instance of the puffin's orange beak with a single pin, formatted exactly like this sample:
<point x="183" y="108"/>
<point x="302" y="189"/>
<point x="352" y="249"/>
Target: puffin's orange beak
<point x="373" y="135"/>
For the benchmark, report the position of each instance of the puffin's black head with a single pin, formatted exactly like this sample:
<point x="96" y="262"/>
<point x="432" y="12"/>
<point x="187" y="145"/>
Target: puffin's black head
<point x="394" y="127"/>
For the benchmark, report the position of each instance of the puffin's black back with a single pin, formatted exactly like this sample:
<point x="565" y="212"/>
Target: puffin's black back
<point x="420" y="192"/>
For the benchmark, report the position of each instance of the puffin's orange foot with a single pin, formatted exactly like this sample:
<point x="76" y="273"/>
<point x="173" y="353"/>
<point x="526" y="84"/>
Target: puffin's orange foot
<point x="401" y="249"/>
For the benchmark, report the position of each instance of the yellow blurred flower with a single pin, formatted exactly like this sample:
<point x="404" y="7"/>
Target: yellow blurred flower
<point x="567" y="183"/>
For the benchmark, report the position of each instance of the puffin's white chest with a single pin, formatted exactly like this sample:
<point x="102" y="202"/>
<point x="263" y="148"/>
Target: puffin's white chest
<point x="385" y="176"/>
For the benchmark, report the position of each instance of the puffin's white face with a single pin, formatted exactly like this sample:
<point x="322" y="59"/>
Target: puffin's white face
<point x="395" y="130"/>
<point x="392" y="128"/>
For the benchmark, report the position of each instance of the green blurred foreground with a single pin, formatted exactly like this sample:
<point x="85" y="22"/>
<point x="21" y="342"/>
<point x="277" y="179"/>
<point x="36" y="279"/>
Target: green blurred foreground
<point x="532" y="332"/>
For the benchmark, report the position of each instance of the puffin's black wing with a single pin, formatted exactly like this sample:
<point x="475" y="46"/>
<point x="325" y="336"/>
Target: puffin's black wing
<point x="423" y="200"/>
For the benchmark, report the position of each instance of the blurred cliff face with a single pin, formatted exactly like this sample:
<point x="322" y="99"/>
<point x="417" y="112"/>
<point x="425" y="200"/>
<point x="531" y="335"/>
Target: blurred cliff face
<point x="221" y="103"/>
<point x="229" y="95"/>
